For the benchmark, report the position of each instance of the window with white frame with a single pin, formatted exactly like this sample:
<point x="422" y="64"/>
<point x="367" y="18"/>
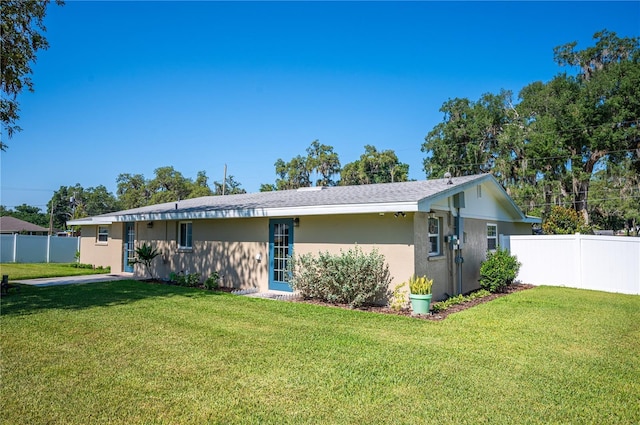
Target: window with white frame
<point x="185" y="238"/>
<point x="103" y="234"/>
<point x="492" y="237"/>
<point x="434" y="237"/>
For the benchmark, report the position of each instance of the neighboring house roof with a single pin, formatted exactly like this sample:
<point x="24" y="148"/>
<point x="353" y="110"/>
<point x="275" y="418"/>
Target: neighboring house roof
<point x="10" y="224"/>
<point x="385" y="197"/>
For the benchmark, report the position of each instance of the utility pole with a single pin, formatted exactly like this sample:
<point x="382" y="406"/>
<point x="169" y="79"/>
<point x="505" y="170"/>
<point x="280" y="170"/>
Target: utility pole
<point x="224" y="180"/>
<point x="51" y="218"/>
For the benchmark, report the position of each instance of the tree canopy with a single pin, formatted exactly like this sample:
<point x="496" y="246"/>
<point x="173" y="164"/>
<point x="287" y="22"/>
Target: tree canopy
<point x="374" y="166"/>
<point x="22" y="34"/>
<point x="547" y="149"/>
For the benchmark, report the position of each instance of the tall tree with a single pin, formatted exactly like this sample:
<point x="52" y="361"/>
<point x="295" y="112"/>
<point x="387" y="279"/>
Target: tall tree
<point x="293" y="174"/>
<point x="374" y="167"/>
<point x="468" y="141"/>
<point x="324" y="161"/>
<point x="21" y="34"/>
<point x="132" y="191"/>
<point x="27" y="213"/>
<point x="597" y="112"/>
<point x="320" y="161"/>
<point x="546" y="149"/>
<point x="201" y="186"/>
<point x="71" y="202"/>
<point x="168" y="185"/>
<point x="232" y="187"/>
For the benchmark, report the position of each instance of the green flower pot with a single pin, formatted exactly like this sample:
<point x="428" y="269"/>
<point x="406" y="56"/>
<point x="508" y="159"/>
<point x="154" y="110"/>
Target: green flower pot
<point x="420" y="303"/>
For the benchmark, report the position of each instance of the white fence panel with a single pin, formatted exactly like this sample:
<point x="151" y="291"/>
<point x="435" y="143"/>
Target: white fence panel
<point x="611" y="263"/>
<point x="6" y="248"/>
<point x="602" y="263"/>
<point x="38" y="249"/>
<point x="63" y="250"/>
<point x="31" y="249"/>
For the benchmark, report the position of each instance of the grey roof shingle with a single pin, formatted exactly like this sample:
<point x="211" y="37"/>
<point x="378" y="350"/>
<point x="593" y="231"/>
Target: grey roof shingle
<point x="10" y="224"/>
<point x="412" y="191"/>
<point x="385" y="197"/>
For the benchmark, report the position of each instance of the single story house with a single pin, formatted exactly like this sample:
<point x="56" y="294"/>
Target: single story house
<point x="11" y="225"/>
<point x="441" y="228"/>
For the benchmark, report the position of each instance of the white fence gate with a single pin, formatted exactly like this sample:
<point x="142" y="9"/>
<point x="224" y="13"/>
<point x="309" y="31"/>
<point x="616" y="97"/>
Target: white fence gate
<point x="604" y="263"/>
<point x="38" y="249"/>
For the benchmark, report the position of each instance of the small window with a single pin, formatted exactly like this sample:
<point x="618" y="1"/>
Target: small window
<point x="103" y="234"/>
<point x="492" y="237"/>
<point x="185" y="235"/>
<point x="434" y="237"/>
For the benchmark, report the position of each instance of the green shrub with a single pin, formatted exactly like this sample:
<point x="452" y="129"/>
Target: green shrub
<point x="499" y="270"/>
<point x="458" y="299"/>
<point x="398" y="297"/>
<point x="190" y="279"/>
<point x="81" y="266"/>
<point x="145" y="254"/>
<point x="213" y="281"/>
<point x="564" y="221"/>
<point x="352" y="277"/>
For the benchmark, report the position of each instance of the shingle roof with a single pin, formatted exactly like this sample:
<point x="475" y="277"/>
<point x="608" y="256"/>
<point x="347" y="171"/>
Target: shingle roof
<point x="10" y="224"/>
<point x="403" y="196"/>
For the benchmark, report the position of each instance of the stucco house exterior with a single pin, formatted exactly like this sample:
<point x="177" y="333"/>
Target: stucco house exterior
<point x="441" y="228"/>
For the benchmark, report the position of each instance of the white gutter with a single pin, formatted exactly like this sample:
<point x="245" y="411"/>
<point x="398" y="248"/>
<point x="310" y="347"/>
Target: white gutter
<point x="249" y="213"/>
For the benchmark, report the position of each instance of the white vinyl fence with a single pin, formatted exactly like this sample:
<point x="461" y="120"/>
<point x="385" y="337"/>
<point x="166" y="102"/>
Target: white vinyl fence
<point x="38" y="249"/>
<point x="604" y="263"/>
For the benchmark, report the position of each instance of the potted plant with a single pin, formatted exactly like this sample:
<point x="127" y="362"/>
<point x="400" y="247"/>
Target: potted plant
<point x="420" y="294"/>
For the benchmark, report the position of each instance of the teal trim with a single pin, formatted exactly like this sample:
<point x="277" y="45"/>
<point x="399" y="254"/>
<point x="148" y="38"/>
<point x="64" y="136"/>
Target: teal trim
<point x="280" y="248"/>
<point x="129" y="246"/>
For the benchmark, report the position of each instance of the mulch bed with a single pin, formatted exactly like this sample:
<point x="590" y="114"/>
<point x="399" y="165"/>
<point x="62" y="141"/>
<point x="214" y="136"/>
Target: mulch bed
<point x="433" y="316"/>
<point x="387" y="310"/>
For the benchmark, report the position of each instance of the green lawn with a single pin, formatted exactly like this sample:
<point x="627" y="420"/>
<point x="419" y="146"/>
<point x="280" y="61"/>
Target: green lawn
<point x="129" y="352"/>
<point x="18" y="271"/>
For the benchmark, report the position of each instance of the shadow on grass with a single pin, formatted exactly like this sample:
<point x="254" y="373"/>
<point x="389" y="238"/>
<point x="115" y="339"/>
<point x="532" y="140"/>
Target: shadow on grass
<point x="30" y="299"/>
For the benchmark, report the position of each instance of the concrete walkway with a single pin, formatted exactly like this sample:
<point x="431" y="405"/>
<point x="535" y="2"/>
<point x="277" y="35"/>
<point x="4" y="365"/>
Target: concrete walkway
<point x="74" y="280"/>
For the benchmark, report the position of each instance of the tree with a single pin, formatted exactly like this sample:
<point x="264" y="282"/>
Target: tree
<point x="546" y="149"/>
<point x="267" y="187"/>
<point x="201" y="186"/>
<point x="594" y="115"/>
<point x="324" y="161"/>
<point x="293" y="174"/>
<point x="27" y="213"/>
<point x="614" y="197"/>
<point x="72" y="202"/>
<point x="168" y="185"/>
<point x="232" y="187"/>
<point x="22" y="28"/>
<point x="132" y="191"/>
<point x="374" y="167"/>
<point x="321" y="160"/>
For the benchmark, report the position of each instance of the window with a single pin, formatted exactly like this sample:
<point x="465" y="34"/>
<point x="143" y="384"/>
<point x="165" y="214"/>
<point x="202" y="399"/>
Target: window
<point x="479" y="191"/>
<point x="434" y="236"/>
<point x="103" y="234"/>
<point x="492" y="237"/>
<point x="185" y="235"/>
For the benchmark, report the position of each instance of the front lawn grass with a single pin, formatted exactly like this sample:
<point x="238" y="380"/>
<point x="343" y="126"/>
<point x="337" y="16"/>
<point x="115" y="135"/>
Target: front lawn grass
<point x="19" y="271"/>
<point x="130" y="352"/>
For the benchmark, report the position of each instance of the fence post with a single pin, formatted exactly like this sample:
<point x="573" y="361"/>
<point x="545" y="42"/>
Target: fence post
<point x="48" y="248"/>
<point x="578" y="261"/>
<point x="15" y="247"/>
<point x="504" y="242"/>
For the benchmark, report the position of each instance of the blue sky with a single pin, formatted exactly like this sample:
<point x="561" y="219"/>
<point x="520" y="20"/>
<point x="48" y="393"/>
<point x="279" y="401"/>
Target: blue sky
<point x="127" y="87"/>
